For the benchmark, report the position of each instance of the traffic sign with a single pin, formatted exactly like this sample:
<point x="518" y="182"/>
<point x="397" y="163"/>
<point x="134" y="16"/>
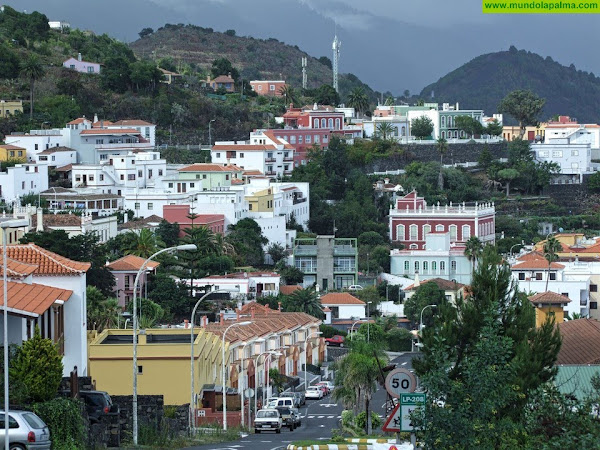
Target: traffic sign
<point x="392" y="423"/>
<point x="400" y="381"/>
<point x="249" y="393"/>
<point x="408" y="403"/>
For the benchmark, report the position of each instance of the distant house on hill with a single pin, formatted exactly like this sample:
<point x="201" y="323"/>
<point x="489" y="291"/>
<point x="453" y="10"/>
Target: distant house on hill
<point x="82" y="66"/>
<point x="222" y="81"/>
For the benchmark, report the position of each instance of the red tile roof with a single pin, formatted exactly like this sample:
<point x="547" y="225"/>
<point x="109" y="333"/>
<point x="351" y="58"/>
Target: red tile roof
<point x="131" y="263"/>
<point x="289" y="289"/>
<point x="32" y="298"/>
<point x="340" y="298"/>
<point x="132" y="123"/>
<point x="17" y="269"/>
<point x="205" y="167"/>
<point x="179" y="214"/>
<point x="243" y="147"/>
<point x="271" y="135"/>
<point x="444" y="285"/>
<point x="111" y="131"/>
<point x="11" y="147"/>
<point x="537" y="264"/>
<point x="52" y="150"/>
<point x="549" y="298"/>
<point x="78" y="121"/>
<point x="223" y="79"/>
<point x="47" y="262"/>
<point x="580" y="342"/>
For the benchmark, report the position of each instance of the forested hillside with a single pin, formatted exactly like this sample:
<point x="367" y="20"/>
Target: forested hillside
<point x="485" y="80"/>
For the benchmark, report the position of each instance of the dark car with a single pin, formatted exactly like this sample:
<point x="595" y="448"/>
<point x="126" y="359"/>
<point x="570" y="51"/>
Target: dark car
<point x="97" y="404"/>
<point x="287" y="416"/>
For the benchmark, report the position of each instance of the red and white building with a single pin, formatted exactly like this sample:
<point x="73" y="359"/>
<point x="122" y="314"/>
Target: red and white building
<point x="412" y="219"/>
<point x="268" y="87"/>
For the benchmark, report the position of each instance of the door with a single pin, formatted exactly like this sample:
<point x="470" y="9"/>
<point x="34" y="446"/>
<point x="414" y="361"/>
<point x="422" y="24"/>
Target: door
<point x="325" y="284"/>
<point x="531" y="135"/>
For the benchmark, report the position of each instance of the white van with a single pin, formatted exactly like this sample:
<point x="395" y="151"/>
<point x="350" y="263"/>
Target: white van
<point x="285" y="401"/>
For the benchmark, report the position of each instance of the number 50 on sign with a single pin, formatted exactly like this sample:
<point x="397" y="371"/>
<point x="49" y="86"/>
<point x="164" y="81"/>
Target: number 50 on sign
<point x="400" y="381"/>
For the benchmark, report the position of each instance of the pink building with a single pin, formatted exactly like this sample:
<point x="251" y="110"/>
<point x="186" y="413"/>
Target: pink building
<point x="271" y="88"/>
<point x="125" y="270"/>
<point x="413" y="219"/>
<point x="82" y="66"/>
<point x="179" y="214"/>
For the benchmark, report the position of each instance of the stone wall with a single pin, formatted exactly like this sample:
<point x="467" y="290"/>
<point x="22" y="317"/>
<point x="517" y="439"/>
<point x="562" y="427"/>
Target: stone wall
<point x="150" y="411"/>
<point x="456" y="154"/>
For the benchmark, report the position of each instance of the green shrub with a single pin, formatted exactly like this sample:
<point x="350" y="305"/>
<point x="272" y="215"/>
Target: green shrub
<point x="347" y="418"/>
<point x="328" y="331"/>
<point x="65" y="421"/>
<point x="170" y="412"/>
<point x="361" y="420"/>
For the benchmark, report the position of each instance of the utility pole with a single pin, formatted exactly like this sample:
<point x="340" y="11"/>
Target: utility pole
<point x="304" y="77"/>
<point x="336" y="56"/>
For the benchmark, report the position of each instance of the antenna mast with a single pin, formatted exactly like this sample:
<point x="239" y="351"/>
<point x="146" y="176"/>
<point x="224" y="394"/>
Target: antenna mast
<point x="304" y="77"/>
<point x="336" y="56"/>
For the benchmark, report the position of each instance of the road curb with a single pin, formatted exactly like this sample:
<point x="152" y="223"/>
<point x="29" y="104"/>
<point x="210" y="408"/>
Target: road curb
<point x="352" y="444"/>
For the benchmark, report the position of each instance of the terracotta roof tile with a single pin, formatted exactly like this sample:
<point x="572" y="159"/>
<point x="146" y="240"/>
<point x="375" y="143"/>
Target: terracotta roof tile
<point x="444" y="285"/>
<point x="205" y="167"/>
<point x="224" y="79"/>
<point x="78" y="121"/>
<point x="52" y="150"/>
<point x="11" y="147"/>
<point x="47" y="262"/>
<point x="146" y="222"/>
<point x="17" y="269"/>
<point x="537" y="264"/>
<point x="580" y="342"/>
<point x="131" y="263"/>
<point x="340" y="298"/>
<point x="57" y="220"/>
<point x="287" y="290"/>
<point x="111" y="131"/>
<point x="549" y="298"/>
<point x="32" y="298"/>
<point x="132" y="123"/>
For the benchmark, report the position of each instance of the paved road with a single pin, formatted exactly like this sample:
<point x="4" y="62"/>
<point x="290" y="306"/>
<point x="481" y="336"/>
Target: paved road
<point x="318" y="419"/>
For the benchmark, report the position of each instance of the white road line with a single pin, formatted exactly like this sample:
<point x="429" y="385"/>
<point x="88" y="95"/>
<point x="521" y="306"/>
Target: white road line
<point x="310" y="417"/>
<point x="320" y="417"/>
<point x="404" y="363"/>
<point x="339" y="417"/>
<point x="329" y="417"/>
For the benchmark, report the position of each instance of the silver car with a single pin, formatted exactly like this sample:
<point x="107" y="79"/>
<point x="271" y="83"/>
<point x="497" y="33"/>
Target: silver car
<point x="25" y="430"/>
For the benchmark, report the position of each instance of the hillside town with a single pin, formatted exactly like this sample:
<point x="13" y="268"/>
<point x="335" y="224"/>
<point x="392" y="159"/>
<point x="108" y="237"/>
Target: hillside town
<point x="393" y="272"/>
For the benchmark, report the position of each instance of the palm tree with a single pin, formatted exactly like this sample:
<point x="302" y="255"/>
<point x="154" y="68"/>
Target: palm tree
<point x="385" y="130"/>
<point x="143" y="243"/>
<point x="32" y="69"/>
<point x="442" y="146"/>
<point x="358" y="100"/>
<point x="306" y="300"/>
<point x="289" y="93"/>
<point x="551" y="248"/>
<point x="473" y="249"/>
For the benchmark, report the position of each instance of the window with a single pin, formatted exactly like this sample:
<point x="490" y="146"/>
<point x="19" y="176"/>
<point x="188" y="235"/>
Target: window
<point x="443" y="134"/>
<point x="204" y="176"/>
<point x="150" y="206"/>
<point x="574" y="152"/>
<point x="566" y="294"/>
<point x="131" y="176"/>
<point x="593" y="305"/>
<point x="425" y="266"/>
<point x="553" y="276"/>
<point x="160" y="172"/>
<point x="416" y="266"/>
<point x="307" y="139"/>
<point x="226" y="176"/>
<point x="260" y="87"/>
<point x="36" y="146"/>
<point x="456" y="133"/>
<point x="538" y="276"/>
<point x="593" y="288"/>
<point x="466" y="232"/>
<point x="101" y="177"/>
<point x="192" y="185"/>
<point x="521" y="276"/>
<point x="249" y="206"/>
<point x="337" y="124"/>
<point x="323" y="123"/>
<point x="406" y="266"/>
<point x="557" y="153"/>
<point x="316" y="138"/>
<point x="140" y="174"/>
<point x="426" y="230"/>
<point x="400" y="233"/>
<point x="218" y="155"/>
<point x="439" y="228"/>
<point x="543" y="153"/>
<point x="12" y="423"/>
<point x="433" y="266"/>
<point x="149" y="173"/>
<point x="330" y="124"/>
<point x="453" y="232"/>
<point x="414" y="232"/>
<point x="90" y="69"/>
<point x="99" y="141"/>
<point x="12" y="154"/>
<point x="292" y="139"/>
<point x="140" y="370"/>
<point x="442" y="266"/>
<point x="316" y="123"/>
<point x="300" y="137"/>
<point x="443" y="121"/>
<point x="241" y="155"/>
<point x="453" y="266"/>
<point x="325" y="138"/>
<point x="170" y="185"/>
<point x="137" y="206"/>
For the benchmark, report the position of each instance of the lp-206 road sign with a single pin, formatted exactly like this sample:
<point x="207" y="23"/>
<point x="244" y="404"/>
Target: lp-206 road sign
<point x="399" y="419"/>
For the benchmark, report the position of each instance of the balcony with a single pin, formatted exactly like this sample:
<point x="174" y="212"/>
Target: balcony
<point x="270" y="159"/>
<point x="344" y="269"/>
<point x="288" y="158"/>
<point x="344" y="250"/>
<point x="305" y="250"/>
<point x="270" y="173"/>
<point x="299" y="199"/>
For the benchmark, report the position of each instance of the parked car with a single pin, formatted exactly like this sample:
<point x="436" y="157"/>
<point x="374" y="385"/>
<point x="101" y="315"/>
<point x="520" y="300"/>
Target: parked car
<point x="98" y="403"/>
<point x="314" y="392"/>
<point x="26" y="431"/>
<point x="297" y="417"/>
<point x="324" y="389"/>
<point x="293" y="395"/>
<point x="268" y="420"/>
<point x="355" y="287"/>
<point x="272" y="402"/>
<point x="329" y="385"/>
<point x="287" y="417"/>
<point x="335" y="341"/>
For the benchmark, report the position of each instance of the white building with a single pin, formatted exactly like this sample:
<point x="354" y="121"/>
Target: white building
<point x="264" y="152"/>
<point x="23" y="179"/>
<point x="343" y="306"/>
<point x="56" y="156"/>
<point x="86" y="200"/>
<point x="243" y="286"/>
<point x="574" y="160"/>
<point x="149" y="202"/>
<point x="400" y="126"/>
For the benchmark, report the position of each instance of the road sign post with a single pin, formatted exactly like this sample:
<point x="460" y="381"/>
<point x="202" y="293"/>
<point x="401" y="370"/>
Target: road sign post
<point x="399" y="381"/>
<point x="399" y="419"/>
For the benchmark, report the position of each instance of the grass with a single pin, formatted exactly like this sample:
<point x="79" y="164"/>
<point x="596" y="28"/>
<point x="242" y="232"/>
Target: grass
<point x="150" y="437"/>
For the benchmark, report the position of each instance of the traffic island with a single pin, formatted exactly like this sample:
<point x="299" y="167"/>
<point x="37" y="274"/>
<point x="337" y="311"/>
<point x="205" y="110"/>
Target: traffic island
<point x="352" y="444"/>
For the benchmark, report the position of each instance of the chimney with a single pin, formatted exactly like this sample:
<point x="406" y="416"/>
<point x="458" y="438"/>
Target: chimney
<point x="229" y="74"/>
<point x="95" y="117"/>
<point x="222" y="318"/>
<point x="78" y="56"/>
<point x="417" y="283"/>
<point x="252" y="311"/>
<point x="186" y="324"/>
<point x="39" y="217"/>
<point x="279" y="306"/>
<point x="291" y="106"/>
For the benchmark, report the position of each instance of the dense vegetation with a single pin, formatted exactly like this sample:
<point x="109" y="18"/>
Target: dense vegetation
<point x="485" y="80"/>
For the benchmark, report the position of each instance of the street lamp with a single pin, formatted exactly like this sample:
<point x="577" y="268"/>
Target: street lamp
<point x="185" y="247"/>
<point x="243" y="376"/>
<point x="5" y="225"/>
<point x="510" y="251"/>
<point x="256" y="376"/>
<point x="368" y="322"/>
<point x="236" y="324"/>
<point x="352" y="328"/>
<point x="192" y="380"/>
<point x="210" y="132"/>
<point x="421" y="322"/>
<point x="314" y="333"/>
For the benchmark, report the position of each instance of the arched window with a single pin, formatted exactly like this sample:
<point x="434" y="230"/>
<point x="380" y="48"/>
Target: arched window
<point x="466" y="232"/>
<point x="403" y="131"/>
<point x="416" y="266"/>
<point x="462" y="134"/>
<point x="414" y="232"/>
<point x="443" y="121"/>
<point x="330" y="124"/>
<point x="443" y="135"/>
<point x="453" y="232"/>
<point x="414" y="246"/>
<point x="442" y="266"/>
<point x="433" y="266"/>
<point x="323" y="123"/>
<point x="456" y="133"/>
<point x="316" y="122"/>
<point x="426" y="230"/>
<point x="337" y="124"/>
<point x="400" y="233"/>
<point x="425" y="266"/>
<point x="439" y="228"/>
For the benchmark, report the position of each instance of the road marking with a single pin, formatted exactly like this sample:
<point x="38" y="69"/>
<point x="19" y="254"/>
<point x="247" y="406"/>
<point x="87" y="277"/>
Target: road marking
<point x="311" y="417"/>
<point x="404" y="363"/>
<point x="329" y="405"/>
<point x="320" y="417"/>
<point x="339" y="417"/>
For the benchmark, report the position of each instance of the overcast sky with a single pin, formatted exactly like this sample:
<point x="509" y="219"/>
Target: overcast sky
<point x="390" y="44"/>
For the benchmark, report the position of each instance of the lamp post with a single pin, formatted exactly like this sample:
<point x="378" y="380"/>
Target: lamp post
<point x="210" y="132"/>
<point x="314" y="333"/>
<point x="421" y="322"/>
<point x="513" y="246"/>
<point x="192" y="380"/>
<point x="368" y="322"/>
<point x="243" y="376"/>
<point x="184" y="247"/>
<point x="5" y="225"/>
<point x="236" y="324"/>
<point x="256" y="376"/>
<point x="352" y="328"/>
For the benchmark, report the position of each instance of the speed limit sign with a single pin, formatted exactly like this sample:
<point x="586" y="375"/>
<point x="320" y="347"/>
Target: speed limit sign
<point x="400" y="381"/>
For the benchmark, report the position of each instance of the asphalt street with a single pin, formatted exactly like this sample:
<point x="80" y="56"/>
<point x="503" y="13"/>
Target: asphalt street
<point x="318" y="419"/>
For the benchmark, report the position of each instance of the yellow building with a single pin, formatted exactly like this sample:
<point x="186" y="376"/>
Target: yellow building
<point x="573" y="245"/>
<point x="13" y="153"/>
<point x="163" y="362"/>
<point x="261" y="201"/>
<point x="10" y="107"/>
<point x="510" y="132"/>
<point x="548" y="304"/>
